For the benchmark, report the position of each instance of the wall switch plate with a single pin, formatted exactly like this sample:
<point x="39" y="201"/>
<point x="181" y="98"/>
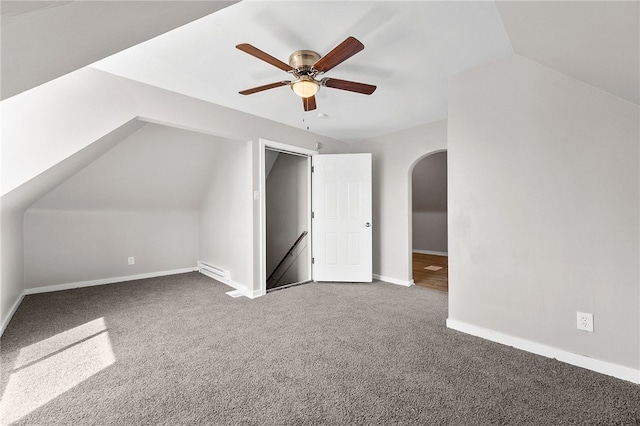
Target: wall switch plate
<point x="585" y="321"/>
<point x="131" y="260"/>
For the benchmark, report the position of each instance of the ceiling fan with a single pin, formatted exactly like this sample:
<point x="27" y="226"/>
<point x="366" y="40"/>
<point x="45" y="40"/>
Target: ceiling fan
<point x="306" y="66"/>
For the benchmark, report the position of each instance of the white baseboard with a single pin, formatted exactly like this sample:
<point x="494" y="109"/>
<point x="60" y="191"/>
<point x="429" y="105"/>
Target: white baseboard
<point x="436" y="253"/>
<point x="103" y="281"/>
<point x="393" y="280"/>
<point x="604" y="367"/>
<point x="12" y="311"/>
<point x="233" y="284"/>
<point x="69" y="286"/>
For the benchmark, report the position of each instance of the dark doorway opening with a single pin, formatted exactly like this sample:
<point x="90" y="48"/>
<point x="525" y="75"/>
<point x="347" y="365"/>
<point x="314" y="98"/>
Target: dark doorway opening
<point x="287" y="219"/>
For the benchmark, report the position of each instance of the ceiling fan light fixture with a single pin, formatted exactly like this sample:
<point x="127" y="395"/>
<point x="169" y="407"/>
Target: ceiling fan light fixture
<point x="305" y="66"/>
<point x="305" y="86"/>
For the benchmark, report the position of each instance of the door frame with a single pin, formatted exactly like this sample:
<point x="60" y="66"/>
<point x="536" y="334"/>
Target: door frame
<point x="287" y="149"/>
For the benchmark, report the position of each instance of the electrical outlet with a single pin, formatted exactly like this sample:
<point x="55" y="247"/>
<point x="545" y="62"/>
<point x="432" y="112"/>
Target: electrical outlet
<point x="131" y="260"/>
<point x="585" y="321"/>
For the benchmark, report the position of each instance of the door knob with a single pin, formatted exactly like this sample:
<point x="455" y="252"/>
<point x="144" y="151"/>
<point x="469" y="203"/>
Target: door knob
<point x="368" y="225"/>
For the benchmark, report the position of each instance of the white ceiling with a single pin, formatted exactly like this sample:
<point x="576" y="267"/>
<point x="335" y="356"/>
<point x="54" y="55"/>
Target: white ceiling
<point x="43" y="40"/>
<point x="597" y="42"/>
<point x="411" y="48"/>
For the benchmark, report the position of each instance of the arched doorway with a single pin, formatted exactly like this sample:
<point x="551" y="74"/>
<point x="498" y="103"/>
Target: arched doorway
<point x="429" y="221"/>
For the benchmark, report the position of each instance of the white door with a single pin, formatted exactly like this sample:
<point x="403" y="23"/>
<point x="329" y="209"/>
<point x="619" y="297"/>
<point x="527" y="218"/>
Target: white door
<point x="342" y="226"/>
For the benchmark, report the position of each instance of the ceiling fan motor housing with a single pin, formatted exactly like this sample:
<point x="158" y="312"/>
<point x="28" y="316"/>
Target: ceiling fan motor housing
<point x="303" y="60"/>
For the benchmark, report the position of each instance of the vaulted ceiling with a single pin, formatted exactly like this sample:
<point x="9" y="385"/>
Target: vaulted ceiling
<point x="411" y="48"/>
<point x="43" y="40"/>
<point x="597" y="42"/>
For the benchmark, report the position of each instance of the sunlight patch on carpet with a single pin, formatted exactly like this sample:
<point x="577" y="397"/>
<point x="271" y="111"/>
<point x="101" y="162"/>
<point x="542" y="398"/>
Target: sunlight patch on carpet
<point x="47" y="369"/>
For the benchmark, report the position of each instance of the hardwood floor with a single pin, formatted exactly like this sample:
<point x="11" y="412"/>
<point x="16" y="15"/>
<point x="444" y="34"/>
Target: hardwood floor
<point x="436" y="280"/>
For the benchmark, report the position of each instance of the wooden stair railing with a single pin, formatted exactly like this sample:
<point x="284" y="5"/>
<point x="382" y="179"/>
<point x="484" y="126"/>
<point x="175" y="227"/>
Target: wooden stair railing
<point x="284" y="258"/>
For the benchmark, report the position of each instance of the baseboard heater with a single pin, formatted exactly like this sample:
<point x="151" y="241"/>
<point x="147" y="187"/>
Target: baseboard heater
<point x="214" y="272"/>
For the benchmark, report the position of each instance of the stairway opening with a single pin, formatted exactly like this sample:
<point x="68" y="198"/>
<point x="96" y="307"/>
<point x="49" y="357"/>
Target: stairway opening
<point x="287" y="219"/>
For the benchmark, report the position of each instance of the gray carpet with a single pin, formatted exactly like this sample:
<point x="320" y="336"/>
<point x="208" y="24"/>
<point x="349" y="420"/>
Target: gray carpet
<point x="178" y="351"/>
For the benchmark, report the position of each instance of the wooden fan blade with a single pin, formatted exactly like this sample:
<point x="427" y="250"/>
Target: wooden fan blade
<point x="351" y="86"/>
<point x="254" y="51"/>
<point x="339" y="54"/>
<point x="309" y="103"/>
<point x="265" y="87"/>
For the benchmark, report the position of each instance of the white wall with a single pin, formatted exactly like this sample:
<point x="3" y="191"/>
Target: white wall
<point x="12" y="269"/>
<point x="392" y="169"/>
<point x="139" y="199"/>
<point x="155" y="167"/>
<point x="429" y="209"/>
<point x="74" y="114"/>
<point x="63" y="247"/>
<point x="14" y="204"/>
<point x="226" y="215"/>
<point x="544" y="210"/>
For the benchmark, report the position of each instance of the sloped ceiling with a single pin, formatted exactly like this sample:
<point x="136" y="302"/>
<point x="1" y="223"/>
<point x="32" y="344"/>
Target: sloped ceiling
<point x="597" y="42"/>
<point x="156" y="167"/>
<point x="36" y="188"/>
<point x="43" y="40"/>
<point x="411" y="48"/>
